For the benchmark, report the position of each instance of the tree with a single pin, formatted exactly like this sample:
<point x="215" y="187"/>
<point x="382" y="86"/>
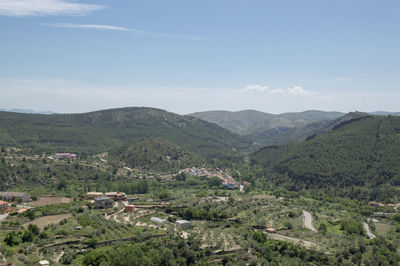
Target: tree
<point x="215" y="181"/>
<point x="30" y="214"/>
<point x="62" y="184"/>
<point x="323" y="228"/>
<point x="12" y="239"/>
<point x="34" y="229"/>
<point x="27" y="236"/>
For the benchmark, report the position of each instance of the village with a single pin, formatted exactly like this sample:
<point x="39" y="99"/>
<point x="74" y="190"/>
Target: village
<point x="226" y="179"/>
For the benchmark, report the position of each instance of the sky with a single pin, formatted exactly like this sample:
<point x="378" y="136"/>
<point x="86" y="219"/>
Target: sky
<point x="188" y="56"/>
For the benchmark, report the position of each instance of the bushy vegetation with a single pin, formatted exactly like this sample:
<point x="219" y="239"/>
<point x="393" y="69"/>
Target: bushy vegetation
<point x="156" y="154"/>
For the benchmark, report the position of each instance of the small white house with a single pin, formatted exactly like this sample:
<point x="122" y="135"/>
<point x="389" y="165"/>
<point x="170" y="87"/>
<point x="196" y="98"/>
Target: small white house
<point x="185" y="224"/>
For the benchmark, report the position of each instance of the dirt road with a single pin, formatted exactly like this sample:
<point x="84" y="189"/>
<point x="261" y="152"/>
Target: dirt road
<point x="305" y="243"/>
<point x="308" y="221"/>
<point x="366" y="228"/>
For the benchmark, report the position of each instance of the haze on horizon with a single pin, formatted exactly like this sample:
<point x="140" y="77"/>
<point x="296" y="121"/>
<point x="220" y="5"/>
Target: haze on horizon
<point x="272" y="56"/>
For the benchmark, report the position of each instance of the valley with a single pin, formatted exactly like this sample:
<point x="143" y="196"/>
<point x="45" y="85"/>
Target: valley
<point x="180" y="206"/>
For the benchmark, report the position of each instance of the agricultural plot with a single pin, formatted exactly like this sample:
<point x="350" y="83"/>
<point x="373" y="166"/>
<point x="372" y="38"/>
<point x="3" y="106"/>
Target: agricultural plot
<point x="49" y="200"/>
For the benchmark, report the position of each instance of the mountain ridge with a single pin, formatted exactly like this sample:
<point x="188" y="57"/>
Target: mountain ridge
<point x="102" y="130"/>
<point x="270" y="129"/>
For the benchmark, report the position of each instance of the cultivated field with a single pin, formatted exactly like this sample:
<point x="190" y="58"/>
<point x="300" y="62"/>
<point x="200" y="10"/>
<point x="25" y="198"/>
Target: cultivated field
<point x="49" y="200"/>
<point x="46" y="220"/>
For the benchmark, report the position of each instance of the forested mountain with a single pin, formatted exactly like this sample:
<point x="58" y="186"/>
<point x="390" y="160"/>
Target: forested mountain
<point x="155" y="154"/>
<point x="358" y="157"/>
<point x="103" y="130"/>
<point x="270" y="129"/>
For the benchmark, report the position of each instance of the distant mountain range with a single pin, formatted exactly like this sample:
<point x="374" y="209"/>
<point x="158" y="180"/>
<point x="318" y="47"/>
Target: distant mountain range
<point x="270" y="129"/>
<point x="27" y="111"/>
<point x="385" y="113"/>
<point x="107" y="129"/>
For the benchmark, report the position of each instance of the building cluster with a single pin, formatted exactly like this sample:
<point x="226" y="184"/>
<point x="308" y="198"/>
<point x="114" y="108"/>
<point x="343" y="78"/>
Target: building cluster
<point x="105" y="201"/>
<point x="64" y="156"/>
<point x="6" y="197"/>
<point x="227" y="180"/>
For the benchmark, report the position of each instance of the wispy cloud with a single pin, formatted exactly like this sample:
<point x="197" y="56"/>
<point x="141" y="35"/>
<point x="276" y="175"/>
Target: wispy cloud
<point x="25" y="8"/>
<point x="85" y="26"/>
<point x="295" y="90"/>
<point x="117" y="28"/>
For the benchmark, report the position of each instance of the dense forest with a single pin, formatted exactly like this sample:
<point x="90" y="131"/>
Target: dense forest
<point x="103" y="130"/>
<point x="357" y="158"/>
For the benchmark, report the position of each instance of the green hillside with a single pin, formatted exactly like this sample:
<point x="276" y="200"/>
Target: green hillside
<point x="103" y="130"/>
<point x="360" y="157"/>
<point x="270" y="129"/>
<point x="156" y="154"/>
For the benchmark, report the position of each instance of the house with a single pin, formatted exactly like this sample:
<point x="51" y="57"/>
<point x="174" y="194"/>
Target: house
<point x="64" y="156"/>
<point x="14" y="196"/>
<point x="22" y="211"/>
<point x="43" y="263"/>
<point x="271" y="230"/>
<point x="116" y="195"/>
<point x="157" y="220"/>
<point x="129" y="208"/>
<point x="93" y="195"/>
<point x="3" y="205"/>
<point x="185" y="224"/>
<point x="103" y="203"/>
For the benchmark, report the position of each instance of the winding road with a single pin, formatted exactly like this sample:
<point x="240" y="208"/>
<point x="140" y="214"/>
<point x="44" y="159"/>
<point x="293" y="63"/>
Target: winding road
<point x="308" y="221"/>
<point x="366" y="228"/>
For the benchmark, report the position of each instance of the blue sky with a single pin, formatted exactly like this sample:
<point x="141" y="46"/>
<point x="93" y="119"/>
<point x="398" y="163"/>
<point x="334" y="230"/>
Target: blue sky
<point x="186" y="56"/>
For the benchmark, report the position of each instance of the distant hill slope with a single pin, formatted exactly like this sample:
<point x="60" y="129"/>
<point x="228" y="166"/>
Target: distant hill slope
<point x="267" y="128"/>
<point x="155" y="154"/>
<point x="27" y="111"/>
<point x="385" y="113"/>
<point x="103" y="130"/>
<point x="360" y="156"/>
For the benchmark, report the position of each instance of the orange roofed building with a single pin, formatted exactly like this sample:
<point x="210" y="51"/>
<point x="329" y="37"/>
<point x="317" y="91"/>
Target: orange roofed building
<point x="129" y="208"/>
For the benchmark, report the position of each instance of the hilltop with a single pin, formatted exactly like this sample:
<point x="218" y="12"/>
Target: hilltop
<point x="269" y="129"/>
<point x="101" y="131"/>
<point x="358" y="157"/>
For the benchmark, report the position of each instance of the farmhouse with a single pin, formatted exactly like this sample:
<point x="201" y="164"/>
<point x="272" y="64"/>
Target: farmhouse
<point x="21" y="211"/>
<point x="129" y="208"/>
<point x="185" y="224"/>
<point x="93" y="195"/>
<point x="116" y="195"/>
<point x="3" y="205"/>
<point x="14" y="196"/>
<point x="103" y="203"/>
<point x="64" y="156"/>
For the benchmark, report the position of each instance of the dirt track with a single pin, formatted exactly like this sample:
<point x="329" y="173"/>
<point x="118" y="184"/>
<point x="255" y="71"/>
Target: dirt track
<point x="308" y="221"/>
